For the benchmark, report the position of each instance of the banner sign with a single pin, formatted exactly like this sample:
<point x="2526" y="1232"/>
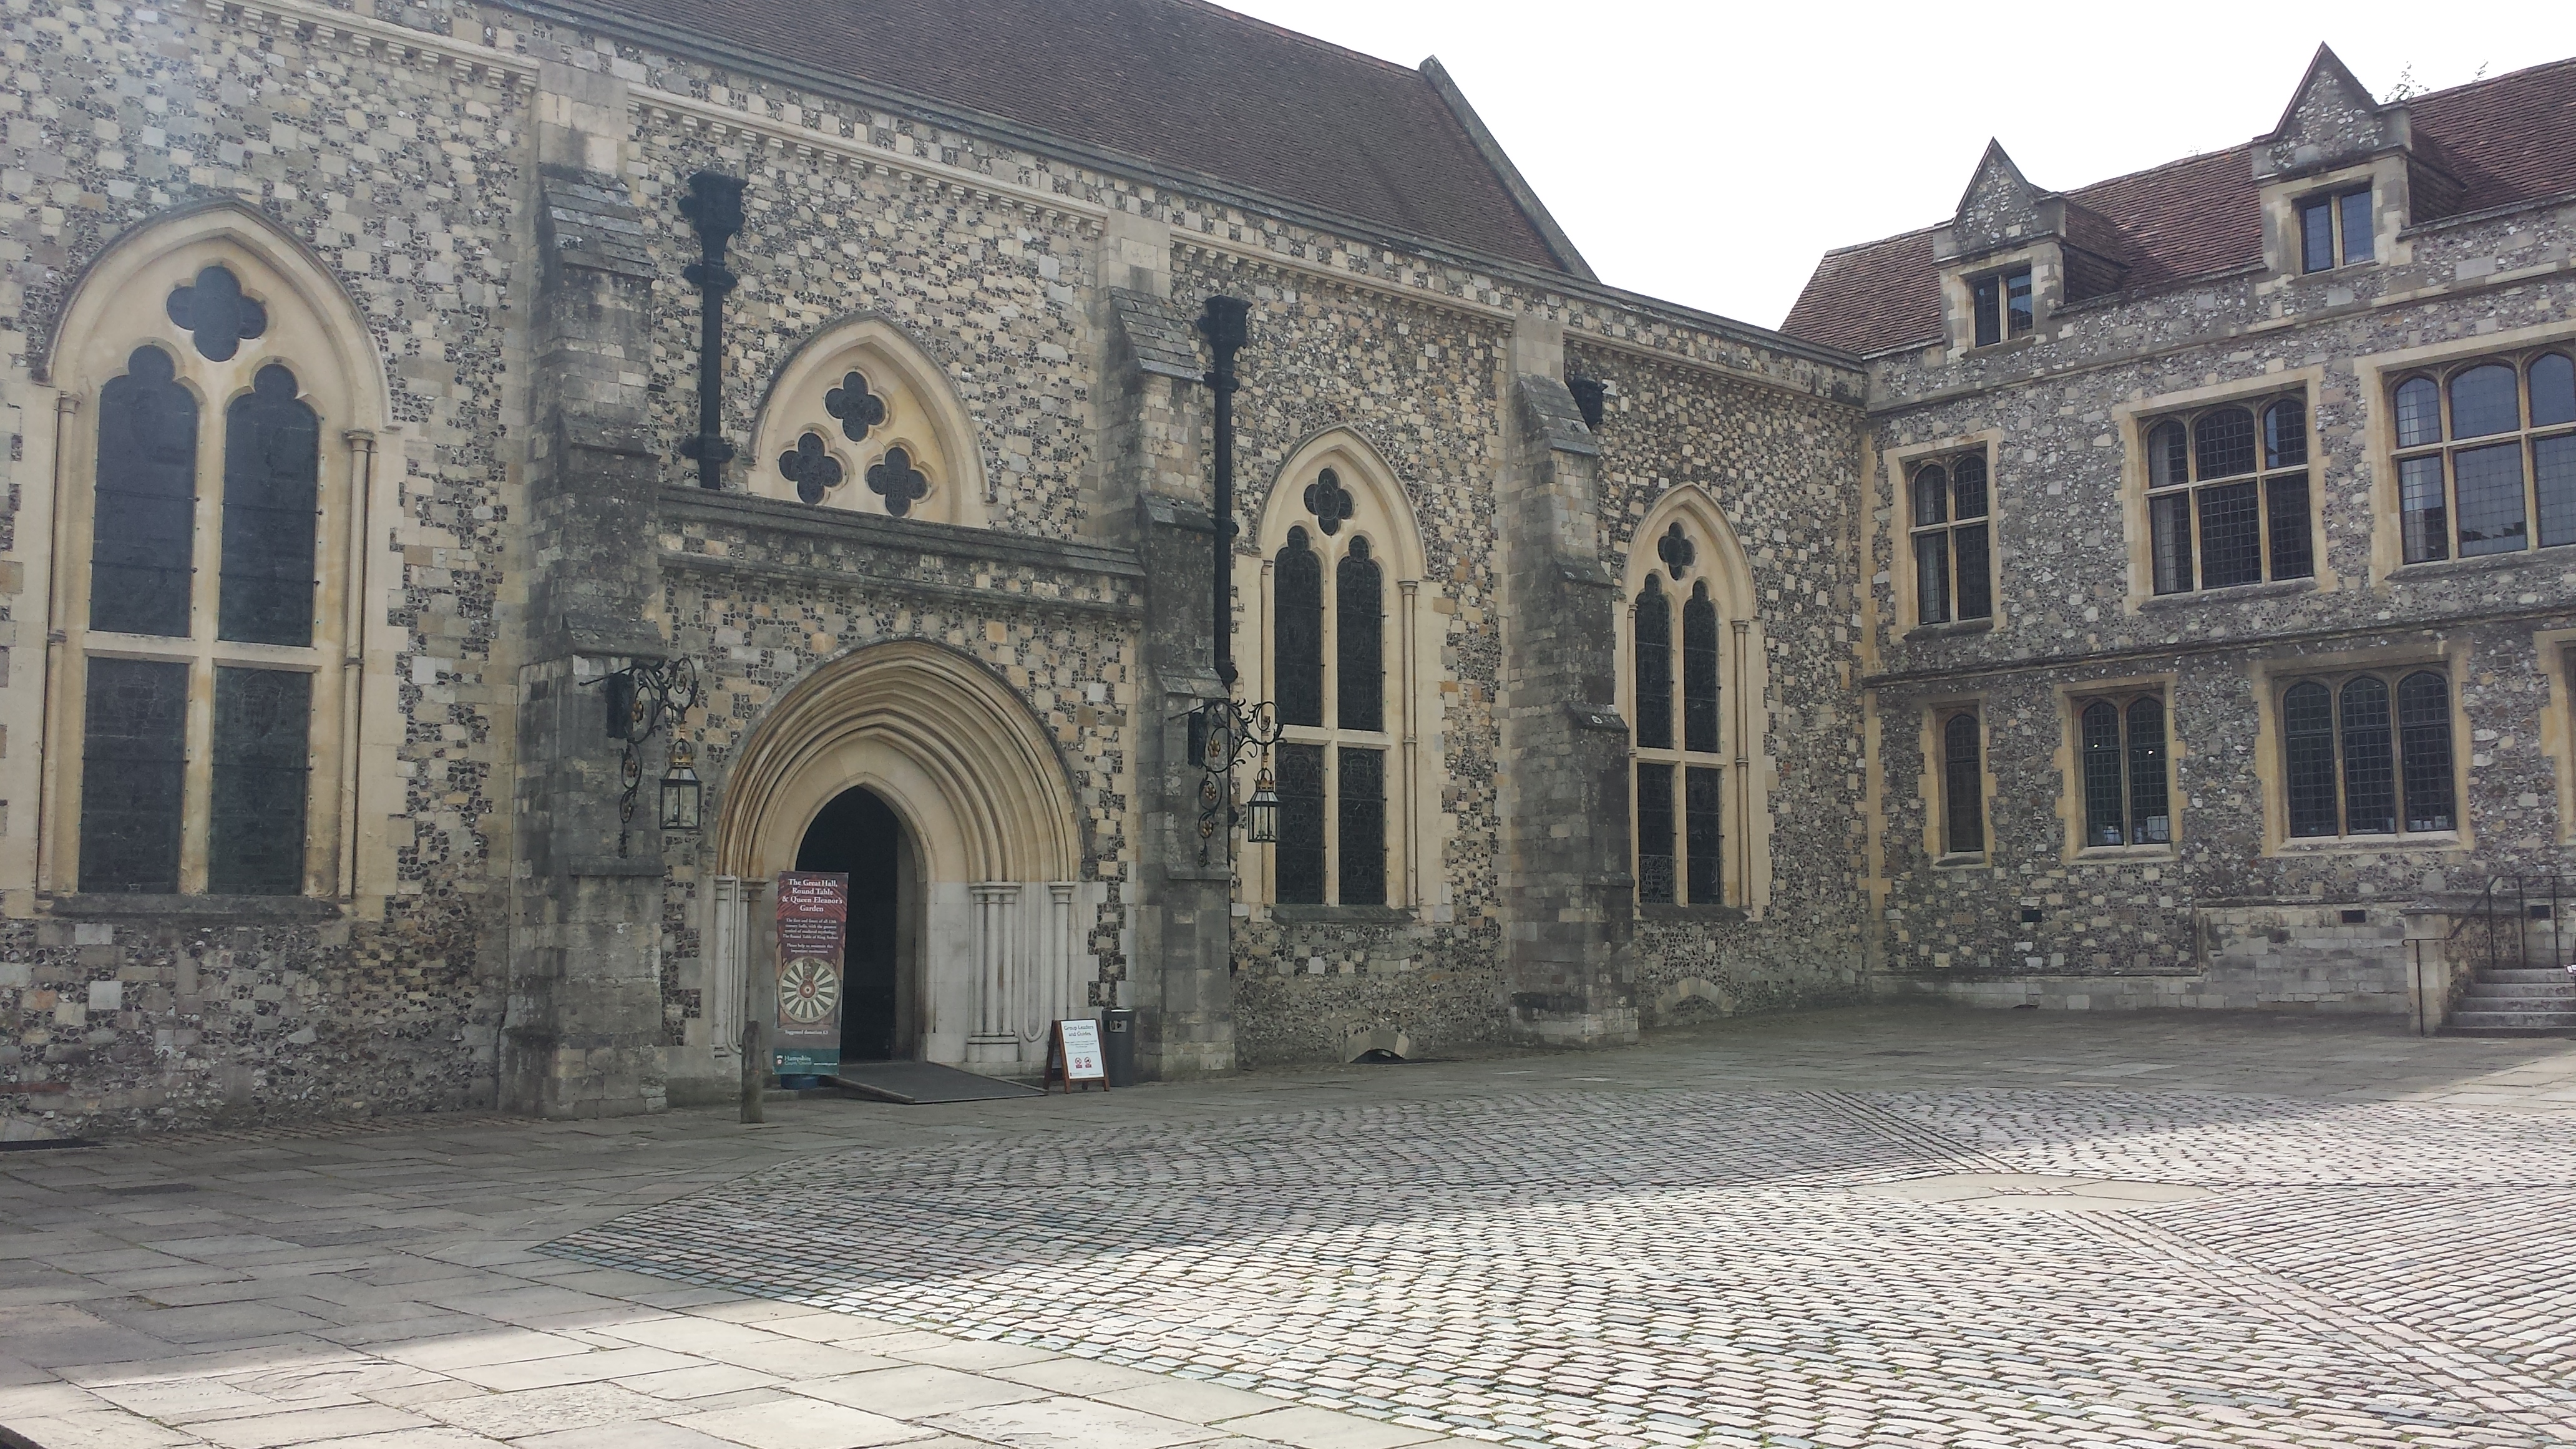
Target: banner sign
<point x="1074" y="1055"/>
<point x="813" y="927"/>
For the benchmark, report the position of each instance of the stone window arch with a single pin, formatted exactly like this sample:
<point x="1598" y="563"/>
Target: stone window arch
<point x="207" y="584"/>
<point x="861" y="419"/>
<point x="1334" y="625"/>
<point x="1692" y="680"/>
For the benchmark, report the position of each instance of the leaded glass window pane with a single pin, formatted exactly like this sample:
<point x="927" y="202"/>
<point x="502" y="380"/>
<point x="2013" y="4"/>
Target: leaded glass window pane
<point x="2308" y="752"/>
<point x="255" y="841"/>
<point x="2424" y="518"/>
<point x="1963" y="786"/>
<point x="2018" y="314"/>
<point x="2419" y="413"/>
<point x="1931" y="496"/>
<point x="2150" y="816"/>
<point x="1655" y="875"/>
<point x="1699" y="672"/>
<point x="1989" y="307"/>
<point x="2358" y="243"/>
<point x="2222" y="443"/>
<point x="2285" y="503"/>
<point x="1976" y="583"/>
<point x="1299" y="856"/>
<point x="2553" y="467"/>
<point x="2168" y="456"/>
<point x="2490" y="499"/>
<point x="2424" y="749"/>
<point x="1360" y="627"/>
<point x="2316" y="235"/>
<point x="2553" y="390"/>
<point x="272" y="461"/>
<point x="1704" y="822"/>
<point x="2169" y="540"/>
<point x="1297" y="592"/>
<point x="143" y="537"/>
<point x="134" y="762"/>
<point x="1932" y="577"/>
<point x="2105" y="809"/>
<point x="2231" y="536"/>
<point x="2285" y="434"/>
<point x="1654" y="722"/>
<point x="1362" y="811"/>
<point x="2485" y="399"/>
<point x="1968" y="487"/>
<point x="2369" y="763"/>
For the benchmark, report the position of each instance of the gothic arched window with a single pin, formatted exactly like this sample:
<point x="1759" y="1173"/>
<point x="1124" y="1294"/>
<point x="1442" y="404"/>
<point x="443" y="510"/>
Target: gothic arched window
<point x="1679" y="774"/>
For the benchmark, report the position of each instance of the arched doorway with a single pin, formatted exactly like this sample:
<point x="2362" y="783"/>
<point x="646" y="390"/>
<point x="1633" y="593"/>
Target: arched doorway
<point x="857" y="834"/>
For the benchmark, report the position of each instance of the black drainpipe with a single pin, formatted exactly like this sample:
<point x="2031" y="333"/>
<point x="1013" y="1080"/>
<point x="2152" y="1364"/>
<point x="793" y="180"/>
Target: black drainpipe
<point x="1222" y="325"/>
<point x="714" y="207"/>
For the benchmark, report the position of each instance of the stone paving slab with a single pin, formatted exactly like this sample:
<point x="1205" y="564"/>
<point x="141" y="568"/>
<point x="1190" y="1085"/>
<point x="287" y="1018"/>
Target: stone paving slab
<point x="2265" y="1232"/>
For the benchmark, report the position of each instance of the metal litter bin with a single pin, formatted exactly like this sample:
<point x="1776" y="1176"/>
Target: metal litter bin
<point x="1118" y="1044"/>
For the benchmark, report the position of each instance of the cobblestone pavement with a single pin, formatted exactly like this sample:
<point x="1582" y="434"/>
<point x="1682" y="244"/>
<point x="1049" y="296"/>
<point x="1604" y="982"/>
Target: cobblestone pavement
<point x="1851" y="1228"/>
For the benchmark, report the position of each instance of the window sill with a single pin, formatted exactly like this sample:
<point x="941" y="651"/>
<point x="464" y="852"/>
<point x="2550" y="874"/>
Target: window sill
<point x="2123" y="854"/>
<point x="1664" y="911"/>
<point x="2278" y="588"/>
<point x="1964" y="860"/>
<point x="2441" y="568"/>
<point x="2009" y="345"/>
<point x="245" y="910"/>
<point x="1303" y="915"/>
<point x="2372" y="844"/>
<point x="1951" y="628"/>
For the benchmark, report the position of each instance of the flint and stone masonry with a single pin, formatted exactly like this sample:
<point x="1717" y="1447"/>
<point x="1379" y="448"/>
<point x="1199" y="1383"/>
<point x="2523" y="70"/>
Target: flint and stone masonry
<point x="957" y="555"/>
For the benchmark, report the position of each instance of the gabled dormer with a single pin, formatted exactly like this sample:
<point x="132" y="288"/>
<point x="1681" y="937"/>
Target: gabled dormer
<point x="2341" y="177"/>
<point x="2013" y="253"/>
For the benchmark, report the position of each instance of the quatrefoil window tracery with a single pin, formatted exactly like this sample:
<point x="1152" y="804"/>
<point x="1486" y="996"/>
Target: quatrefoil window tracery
<point x="1676" y="550"/>
<point x="897" y="481"/>
<point x="813" y="470"/>
<point x="1329" y="501"/>
<point x="859" y="409"/>
<point x="218" y="317"/>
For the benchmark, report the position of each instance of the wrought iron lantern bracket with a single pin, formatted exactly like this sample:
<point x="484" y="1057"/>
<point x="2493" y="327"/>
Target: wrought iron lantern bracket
<point x="1224" y="734"/>
<point x="642" y="700"/>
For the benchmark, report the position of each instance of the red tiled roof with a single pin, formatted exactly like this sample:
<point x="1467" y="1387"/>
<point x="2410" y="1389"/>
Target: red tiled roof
<point x="1179" y="84"/>
<point x="2508" y="139"/>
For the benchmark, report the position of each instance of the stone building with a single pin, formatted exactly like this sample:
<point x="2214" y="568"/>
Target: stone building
<point x="330" y="819"/>
<point x="2216" y="635"/>
<point x="406" y="401"/>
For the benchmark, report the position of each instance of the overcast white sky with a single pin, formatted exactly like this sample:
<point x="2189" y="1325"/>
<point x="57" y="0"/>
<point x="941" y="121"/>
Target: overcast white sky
<point x="1709" y="153"/>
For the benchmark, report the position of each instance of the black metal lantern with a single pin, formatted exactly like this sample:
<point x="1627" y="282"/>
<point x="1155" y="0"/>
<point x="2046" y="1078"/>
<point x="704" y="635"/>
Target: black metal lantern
<point x="681" y="793"/>
<point x="1261" y="813"/>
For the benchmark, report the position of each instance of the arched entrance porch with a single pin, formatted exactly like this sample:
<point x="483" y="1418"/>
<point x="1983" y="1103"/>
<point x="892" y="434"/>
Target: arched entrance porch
<point x="910" y="764"/>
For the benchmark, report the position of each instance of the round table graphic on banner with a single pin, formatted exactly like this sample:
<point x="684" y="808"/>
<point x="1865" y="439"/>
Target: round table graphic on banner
<point x="808" y="990"/>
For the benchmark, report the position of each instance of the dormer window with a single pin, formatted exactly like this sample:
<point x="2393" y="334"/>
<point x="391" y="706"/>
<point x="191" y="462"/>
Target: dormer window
<point x="2003" y="306"/>
<point x="2335" y="230"/>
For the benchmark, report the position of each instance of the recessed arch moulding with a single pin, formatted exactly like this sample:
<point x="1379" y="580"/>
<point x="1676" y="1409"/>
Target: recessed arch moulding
<point x="862" y="418"/>
<point x="991" y="817"/>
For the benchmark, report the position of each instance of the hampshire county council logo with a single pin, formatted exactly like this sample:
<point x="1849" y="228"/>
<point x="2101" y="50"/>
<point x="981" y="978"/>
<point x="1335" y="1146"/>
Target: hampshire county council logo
<point x="808" y="990"/>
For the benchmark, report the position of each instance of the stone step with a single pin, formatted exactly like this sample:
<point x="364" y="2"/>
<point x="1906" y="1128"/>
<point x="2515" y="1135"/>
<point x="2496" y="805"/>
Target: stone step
<point x="2525" y="990"/>
<point x="2535" y="975"/>
<point x="2513" y="1023"/>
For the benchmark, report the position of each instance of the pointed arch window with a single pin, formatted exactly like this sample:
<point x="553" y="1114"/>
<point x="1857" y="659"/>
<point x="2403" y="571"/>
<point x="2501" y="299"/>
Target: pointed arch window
<point x="203" y="663"/>
<point x="2369" y="755"/>
<point x="1678" y="774"/>
<point x="1963" y="785"/>
<point x="2227" y="496"/>
<point x="1952" y="532"/>
<point x="1329" y="672"/>
<point x="2486" y="457"/>
<point x="2127" y="780"/>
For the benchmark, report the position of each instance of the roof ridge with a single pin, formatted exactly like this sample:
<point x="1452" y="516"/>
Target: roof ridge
<point x="1255" y="22"/>
<point x="2486" y="80"/>
<point x="1882" y="241"/>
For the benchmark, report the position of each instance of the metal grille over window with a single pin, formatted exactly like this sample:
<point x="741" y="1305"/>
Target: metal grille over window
<point x="1654" y="667"/>
<point x="2227" y="497"/>
<point x="1300" y="857"/>
<point x="272" y="473"/>
<point x="1699" y="672"/>
<point x="1963" y="812"/>
<point x="1363" y="826"/>
<point x="255" y="845"/>
<point x="1299" y="609"/>
<point x="1953" y="564"/>
<point x="2125" y="789"/>
<point x="1655" y="874"/>
<point x="143" y="538"/>
<point x="133" y="772"/>
<point x="2486" y="457"/>
<point x="1359" y="674"/>
<point x="2369" y="754"/>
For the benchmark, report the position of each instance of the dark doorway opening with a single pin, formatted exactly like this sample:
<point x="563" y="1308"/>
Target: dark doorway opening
<point x="858" y="834"/>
